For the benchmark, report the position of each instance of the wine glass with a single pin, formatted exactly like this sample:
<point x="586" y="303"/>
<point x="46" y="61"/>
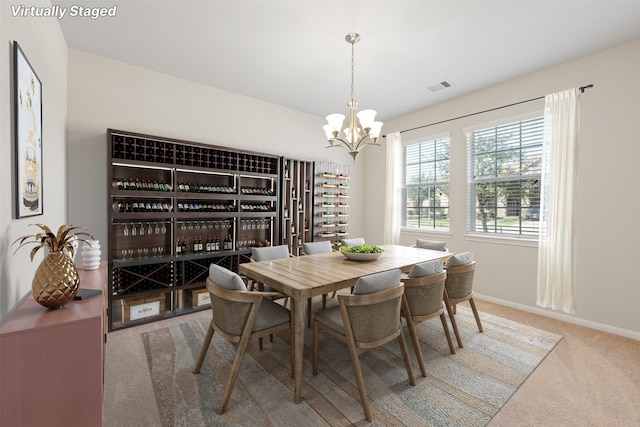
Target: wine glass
<point x="125" y="230"/>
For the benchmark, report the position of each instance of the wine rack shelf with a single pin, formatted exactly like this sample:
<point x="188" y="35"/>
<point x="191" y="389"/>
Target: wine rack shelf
<point x="176" y="207"/>
<point x="331" y="220"/>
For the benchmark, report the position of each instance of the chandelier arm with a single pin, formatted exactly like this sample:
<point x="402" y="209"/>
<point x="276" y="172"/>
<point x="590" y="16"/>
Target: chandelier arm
<point x="342" y="143"/>
<point x="361" y="141"/>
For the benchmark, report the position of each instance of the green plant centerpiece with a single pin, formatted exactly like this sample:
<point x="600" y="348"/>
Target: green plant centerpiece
<point x="362" y="249"/>
<point x="363" y="252"/>
<point x="56" y="280"/>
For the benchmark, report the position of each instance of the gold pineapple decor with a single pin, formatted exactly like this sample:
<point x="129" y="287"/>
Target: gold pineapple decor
<point x="56" y="280"/>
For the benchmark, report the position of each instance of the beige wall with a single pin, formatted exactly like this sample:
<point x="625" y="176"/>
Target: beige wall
<point x="607" y="278"/>
<point x="108" y="94"/>
<point x="43" y="43"/>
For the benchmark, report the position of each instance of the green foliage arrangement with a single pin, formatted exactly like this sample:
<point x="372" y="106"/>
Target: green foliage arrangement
<point x="362" y="249"/>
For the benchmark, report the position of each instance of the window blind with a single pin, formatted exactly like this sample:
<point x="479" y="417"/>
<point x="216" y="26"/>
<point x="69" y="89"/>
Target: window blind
<point x="504" y="167"/>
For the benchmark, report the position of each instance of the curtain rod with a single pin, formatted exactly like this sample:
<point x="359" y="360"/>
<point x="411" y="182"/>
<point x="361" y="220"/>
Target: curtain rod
<point x="582" y="89"/>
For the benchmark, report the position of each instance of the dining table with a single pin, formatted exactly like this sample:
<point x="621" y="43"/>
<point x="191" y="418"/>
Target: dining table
<point x="304" y="277"/>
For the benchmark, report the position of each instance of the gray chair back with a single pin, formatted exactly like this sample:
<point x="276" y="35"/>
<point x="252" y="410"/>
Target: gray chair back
<point x="269" y="253"/>
<point x="312" y="248"/>
<point x="352" y="242"/>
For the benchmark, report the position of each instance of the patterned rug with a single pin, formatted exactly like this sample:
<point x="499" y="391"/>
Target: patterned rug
<point x="463" y="389"/>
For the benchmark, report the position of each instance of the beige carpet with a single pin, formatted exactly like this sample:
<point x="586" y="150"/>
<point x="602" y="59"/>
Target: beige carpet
<point x="591" y="378"/>
<point x="465" y="389"/>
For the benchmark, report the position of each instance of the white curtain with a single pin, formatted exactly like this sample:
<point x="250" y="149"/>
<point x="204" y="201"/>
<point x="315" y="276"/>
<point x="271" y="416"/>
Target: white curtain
<point x="559" y="166"/>
<point x="393" y="188"/>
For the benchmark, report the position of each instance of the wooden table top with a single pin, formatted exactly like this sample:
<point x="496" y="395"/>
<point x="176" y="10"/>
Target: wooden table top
<point x="322" y="273"/>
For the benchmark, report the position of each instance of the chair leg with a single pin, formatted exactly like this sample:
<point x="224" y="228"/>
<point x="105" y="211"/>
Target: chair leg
<point x="446" y="332"/>
<point x="452" y="317"/>
<point x="357" y="371"/>
<point x="235" y="368"/>
<point x="309" y="317"/>
<point x="405" y="356"/>
<point x="416" y="346"/>
<point x="324" y="301"/>
<point x="475" y="314"/>
<point x="203" y="350"/>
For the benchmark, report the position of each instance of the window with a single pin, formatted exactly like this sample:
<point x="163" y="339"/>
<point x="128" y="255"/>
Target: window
<point x="425" y="186"/>
<point x="505" y="163"/>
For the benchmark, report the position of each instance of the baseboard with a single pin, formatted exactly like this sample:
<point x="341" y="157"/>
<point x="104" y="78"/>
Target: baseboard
<point x="561" y="316"/>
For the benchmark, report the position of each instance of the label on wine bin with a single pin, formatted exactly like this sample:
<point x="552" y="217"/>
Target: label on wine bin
<point x="143" y="311"/>
<point x="204" y="298"/>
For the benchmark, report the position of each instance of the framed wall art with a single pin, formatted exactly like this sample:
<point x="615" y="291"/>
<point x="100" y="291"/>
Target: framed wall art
<point x="28" y="136"/>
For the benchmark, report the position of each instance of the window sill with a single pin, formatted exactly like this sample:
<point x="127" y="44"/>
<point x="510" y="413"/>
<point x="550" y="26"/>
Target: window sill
<point x="501" y="240"/>
<point x="425" y="233"/>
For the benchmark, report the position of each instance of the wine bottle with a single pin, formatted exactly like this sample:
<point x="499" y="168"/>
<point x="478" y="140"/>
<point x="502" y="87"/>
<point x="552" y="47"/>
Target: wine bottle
<point x="178" y="247"/>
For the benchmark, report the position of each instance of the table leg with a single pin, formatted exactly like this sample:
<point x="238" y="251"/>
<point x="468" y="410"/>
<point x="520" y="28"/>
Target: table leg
<point x="299" y="317"/>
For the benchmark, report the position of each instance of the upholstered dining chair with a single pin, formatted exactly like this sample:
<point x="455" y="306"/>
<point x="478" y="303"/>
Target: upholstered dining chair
<point x="312" y="248"/>
<point x="352" y="242"/>
<point x="424" y="290"/>
<point x="321" y="247"/>
<point x="239" y="315"/>
<point x="459" y="287"/>
<point x="368" y="318"/>
<point x="268" y="253"/>
<point x="431" y="244"/>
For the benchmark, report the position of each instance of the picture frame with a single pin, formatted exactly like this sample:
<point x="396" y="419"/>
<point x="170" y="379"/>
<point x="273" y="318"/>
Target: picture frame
<point x="28" y="136"/>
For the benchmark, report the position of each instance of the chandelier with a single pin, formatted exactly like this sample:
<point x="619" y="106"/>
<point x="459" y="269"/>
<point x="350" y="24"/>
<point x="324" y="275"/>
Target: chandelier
<point x="357" y="135"/>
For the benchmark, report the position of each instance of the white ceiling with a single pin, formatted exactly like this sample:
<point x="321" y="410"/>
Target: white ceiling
<point x="293" y="53"/>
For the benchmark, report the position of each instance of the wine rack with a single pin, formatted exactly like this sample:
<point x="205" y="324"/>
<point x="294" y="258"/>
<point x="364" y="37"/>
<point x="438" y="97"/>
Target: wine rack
<point x="176" y="207"/>
<point x="331" y="220"/>
<point x="297" y="204"/>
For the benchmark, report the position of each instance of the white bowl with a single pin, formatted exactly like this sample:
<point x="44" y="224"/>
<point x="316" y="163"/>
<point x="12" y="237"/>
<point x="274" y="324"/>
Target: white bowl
<point x="360" y="256"/>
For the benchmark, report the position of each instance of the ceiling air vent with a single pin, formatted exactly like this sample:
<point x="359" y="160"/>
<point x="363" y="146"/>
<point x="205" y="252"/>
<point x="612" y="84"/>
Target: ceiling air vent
<point x="438" y="87"/>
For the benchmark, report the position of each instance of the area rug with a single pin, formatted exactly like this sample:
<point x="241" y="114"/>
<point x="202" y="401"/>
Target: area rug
<point x="463" y="389"/>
